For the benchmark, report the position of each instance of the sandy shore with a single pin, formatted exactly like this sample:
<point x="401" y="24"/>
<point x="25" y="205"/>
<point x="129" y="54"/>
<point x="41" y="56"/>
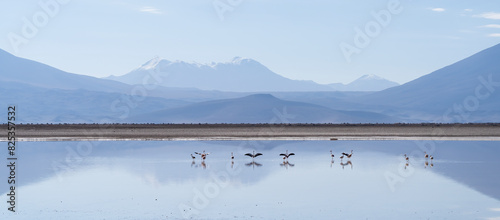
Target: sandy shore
<point x="76" y="132"/>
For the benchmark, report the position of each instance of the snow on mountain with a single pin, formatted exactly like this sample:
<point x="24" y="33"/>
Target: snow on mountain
<point x="365" y="83"/>
<point x="238" y="75"/>
<point x="45" y="94"/>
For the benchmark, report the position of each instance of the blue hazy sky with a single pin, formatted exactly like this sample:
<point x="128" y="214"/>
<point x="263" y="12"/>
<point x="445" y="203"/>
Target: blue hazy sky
<point x="298" y="39"/>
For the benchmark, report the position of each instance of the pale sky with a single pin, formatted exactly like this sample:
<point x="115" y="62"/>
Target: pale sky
<point x="298" y="39"/>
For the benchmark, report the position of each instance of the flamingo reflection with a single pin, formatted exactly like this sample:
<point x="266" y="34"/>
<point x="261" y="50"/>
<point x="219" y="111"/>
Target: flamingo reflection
<point x="286" y="164"/>
<point x="253" y="164"/>
<point x="346" y="163"/>
<point x="202" y="164"/>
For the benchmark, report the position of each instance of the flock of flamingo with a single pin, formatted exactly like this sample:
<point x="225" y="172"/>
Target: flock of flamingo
<point x="285" y="156"/>
<point x="426" y="163"/>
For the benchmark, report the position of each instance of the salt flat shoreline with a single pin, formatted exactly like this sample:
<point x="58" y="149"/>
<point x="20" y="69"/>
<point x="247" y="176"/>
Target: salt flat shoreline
<point x="189" y="132"/>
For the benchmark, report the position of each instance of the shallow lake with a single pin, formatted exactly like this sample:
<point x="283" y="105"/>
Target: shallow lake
<point x="160" y="180"/>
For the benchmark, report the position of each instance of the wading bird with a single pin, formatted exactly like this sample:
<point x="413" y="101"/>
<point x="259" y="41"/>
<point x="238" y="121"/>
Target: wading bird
<point x="341" y="157"/>
<point x="331" y="154"/>
<point x="203" y="155"/>
<point x="286" y="155"/>
<point x="426" y="155"/>
<point x="193" y="157"/>
<point x="253" y="155"/>
<point x="232" y="156"/>
<point x="348" y="155"/>
<point x="407" y="158"/>
<point x="432" y="157"/>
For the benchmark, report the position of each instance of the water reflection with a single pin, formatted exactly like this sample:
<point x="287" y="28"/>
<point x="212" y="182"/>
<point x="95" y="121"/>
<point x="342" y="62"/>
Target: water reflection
<point x="253" y="164"/>
<point x="202" y="164"/>
<point x="346" y="163"/>
<point x="287" y="164"/>
<point x="158" y="180"/>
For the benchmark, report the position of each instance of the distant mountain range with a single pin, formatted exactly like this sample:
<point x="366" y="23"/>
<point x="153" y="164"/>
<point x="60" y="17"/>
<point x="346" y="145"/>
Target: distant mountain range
<point x="467" y="91"/>
<point x="260" y="108"/>
<point x="365" y="83"/>
<point x="238" y="75"/>
<point x="16" y="69"/>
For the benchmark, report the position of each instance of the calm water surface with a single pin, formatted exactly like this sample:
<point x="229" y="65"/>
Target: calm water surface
<point x="159" y="180"/>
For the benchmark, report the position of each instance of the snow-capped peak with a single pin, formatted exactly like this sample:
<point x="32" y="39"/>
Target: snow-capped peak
<point x="241" y="60"/>
<point x="151" y="64"/>
<point x="370" y="77"/>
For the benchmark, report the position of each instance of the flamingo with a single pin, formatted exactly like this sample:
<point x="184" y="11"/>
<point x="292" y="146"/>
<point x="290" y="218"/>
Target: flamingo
<point x="286" y="155"/>
<point x="253" y="155"/>
<point x="348" y="155"/>
<point x="203" y="155"/>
